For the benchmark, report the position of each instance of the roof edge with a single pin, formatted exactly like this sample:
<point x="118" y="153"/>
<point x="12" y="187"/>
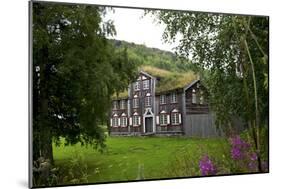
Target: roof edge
<point x="191" y="84"/>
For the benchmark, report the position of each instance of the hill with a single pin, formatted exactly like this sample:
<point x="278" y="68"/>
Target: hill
<point x="145" y="56"/>
<point x="172" y="72"/>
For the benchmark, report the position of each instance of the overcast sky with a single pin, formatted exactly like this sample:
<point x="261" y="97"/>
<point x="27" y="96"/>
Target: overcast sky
<point x="133" y="27"/>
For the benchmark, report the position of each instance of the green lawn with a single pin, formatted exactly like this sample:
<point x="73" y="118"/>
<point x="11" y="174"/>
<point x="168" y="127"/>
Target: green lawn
<point x="131" y="158"/>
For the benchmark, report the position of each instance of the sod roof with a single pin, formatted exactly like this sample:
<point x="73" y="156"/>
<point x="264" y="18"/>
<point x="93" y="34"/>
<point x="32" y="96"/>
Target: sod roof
<point x="166" y="80"/>
<point x="169" y="81"/>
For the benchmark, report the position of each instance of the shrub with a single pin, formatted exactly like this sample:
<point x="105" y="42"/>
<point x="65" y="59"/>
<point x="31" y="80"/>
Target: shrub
<point x="206" y="166"/>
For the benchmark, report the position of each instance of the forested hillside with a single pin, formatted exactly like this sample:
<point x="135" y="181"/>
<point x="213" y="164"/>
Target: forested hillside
<point x="143" y="55"/>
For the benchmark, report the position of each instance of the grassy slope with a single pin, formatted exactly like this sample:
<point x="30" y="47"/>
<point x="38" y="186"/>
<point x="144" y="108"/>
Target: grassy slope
<point x="125" y="154"/>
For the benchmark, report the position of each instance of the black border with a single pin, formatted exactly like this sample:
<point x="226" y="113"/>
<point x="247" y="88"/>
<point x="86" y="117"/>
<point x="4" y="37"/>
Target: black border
<point x="30" y="92"/>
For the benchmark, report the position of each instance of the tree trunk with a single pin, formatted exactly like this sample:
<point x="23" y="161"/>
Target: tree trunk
<point x="44" y="133"/>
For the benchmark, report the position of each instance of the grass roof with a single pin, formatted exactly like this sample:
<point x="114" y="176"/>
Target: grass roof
<point x="121" y="95"/>
<point x="156" y="72"/>
<point x="166" y="80"/>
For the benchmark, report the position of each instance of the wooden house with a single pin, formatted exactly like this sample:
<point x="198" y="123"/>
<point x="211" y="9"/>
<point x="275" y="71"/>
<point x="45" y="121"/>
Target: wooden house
<point x="162" y="103"/>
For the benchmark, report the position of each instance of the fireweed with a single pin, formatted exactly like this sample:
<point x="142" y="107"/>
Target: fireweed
<point x="206" y="166"/>
<point x="242" y="154"/>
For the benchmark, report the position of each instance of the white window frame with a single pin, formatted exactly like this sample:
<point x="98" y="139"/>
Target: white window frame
<point x="136" y="120"/>
<point x="147" y="100"/>
<point x="201" y="99"/>
<point x="136" y="102"/>
<point x="123" y="121"/>
<point x="145" y="84"/>
<point x="137" y="86"/>
<point x="175" y="118"/>
<point x="163" y="119"/>
<point x="115" y="105"/>
<point x="174" y="97"/>
<point x="162" y="99"/>
<point x="123" y="104"/>
<point x="194" y="96"/>
<point x="115" y="121"/>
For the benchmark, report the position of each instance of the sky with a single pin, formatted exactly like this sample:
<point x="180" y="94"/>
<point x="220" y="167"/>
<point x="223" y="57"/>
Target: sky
<point x="131" y="26"/>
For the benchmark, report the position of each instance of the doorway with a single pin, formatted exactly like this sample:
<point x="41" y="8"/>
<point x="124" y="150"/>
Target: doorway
<point x="148" y="124"/>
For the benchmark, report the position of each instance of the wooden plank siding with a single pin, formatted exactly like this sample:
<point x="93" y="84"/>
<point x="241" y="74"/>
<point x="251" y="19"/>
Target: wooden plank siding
<point x="201" y="125"/>
<point x="197" y="120"/>
<point x="196" y="108"/>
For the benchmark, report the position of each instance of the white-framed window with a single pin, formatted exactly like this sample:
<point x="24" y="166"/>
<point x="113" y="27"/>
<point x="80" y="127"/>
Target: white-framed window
<point x="201" y="99"/>
<point x="194" y="96"/>
<point x="123" y="104"/>
<point x="135" y="102"/>
<point x="137" y="86"/>
<point x="162" y="99"/>
<point x="145" y="84"/>
<point x="173" y="97"/>
<point x="163" y="118"/>
<point x="136" y="119"/>
<point x="115" y="120"/>
<point x="115" y="105"/>
<point x="175" y="117"/>
<point x="123" y="121"/>
<point x="147" y="100"/>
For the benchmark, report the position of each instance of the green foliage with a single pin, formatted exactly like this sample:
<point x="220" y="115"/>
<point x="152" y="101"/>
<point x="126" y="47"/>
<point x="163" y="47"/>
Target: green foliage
<point x="145" y="56"/>
<point x="44" y="173"/>
<point x="77" y="170"/>
<point x="264" y="145"/>
<point x="131" y="158"/>
<point x="216" y="44"/>
<point x="75" y="72"/>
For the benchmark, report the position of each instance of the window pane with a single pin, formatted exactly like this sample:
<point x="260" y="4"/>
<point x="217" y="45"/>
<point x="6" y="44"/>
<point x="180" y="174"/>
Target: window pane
<point x="162" y="99"/>
<point x="174" y="97"/>
<point x="146" y="84"/>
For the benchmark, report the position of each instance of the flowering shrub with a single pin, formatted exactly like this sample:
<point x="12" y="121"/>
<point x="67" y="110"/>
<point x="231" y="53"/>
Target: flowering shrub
<point x="241" y="152"/>
<point x="206" y="166"/>
<point x="239" y="148"/>
<point x="242" y="158"/>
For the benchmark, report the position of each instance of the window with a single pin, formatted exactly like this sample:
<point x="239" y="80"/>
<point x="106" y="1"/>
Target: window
<point x="162" y="99"/>
<point x="115" y="105"/>
<point x="175" y="117"/>
<point x="163" y="118"/>
<point x="135" y="102"/>
<point x="123" y="120"/>
<point x="136" y="119"/>
<point x="115" y="120"/>
<point x="201" y="99"/>
<point x="147" y="100"/>
<point x="146" y="84"/>
<point x="173" y="98"/>
<point x="137" y="86"/>
<point x="194" y="96"/>
<point x="123" y="104"/>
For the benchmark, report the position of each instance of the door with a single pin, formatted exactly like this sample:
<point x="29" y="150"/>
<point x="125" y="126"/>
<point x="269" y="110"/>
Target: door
<point x="148" y="125"/>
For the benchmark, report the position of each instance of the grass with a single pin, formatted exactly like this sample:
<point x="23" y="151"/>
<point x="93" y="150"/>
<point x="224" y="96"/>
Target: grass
<point x="132" y="158"/>
<point x="170" y="80"/>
